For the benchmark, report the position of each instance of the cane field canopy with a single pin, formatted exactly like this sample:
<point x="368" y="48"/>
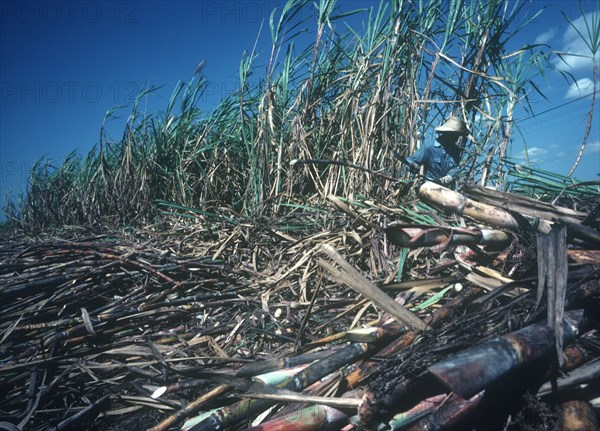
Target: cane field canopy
<point x="366" y="84"/>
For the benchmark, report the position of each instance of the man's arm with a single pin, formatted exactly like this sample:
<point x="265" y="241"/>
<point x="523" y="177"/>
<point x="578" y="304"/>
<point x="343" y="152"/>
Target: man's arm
<point x="418" y="157"/>
<point x="453" y="172"/>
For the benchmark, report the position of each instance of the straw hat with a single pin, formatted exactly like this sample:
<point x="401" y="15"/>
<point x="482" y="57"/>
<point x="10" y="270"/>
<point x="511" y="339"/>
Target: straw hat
<point x="453" y="124"/>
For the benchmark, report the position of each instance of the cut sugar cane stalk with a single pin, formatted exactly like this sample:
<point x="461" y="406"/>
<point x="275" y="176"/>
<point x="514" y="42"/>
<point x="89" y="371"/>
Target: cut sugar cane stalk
<point x="472" y="370"/>
<point x="412" y="235"/>
<point x="301" y="398"/>
<point x="524" y="205"/>
<point x="453" y="202"/>
<point x="312" y="418"/>
<point x="449" y="414"/>
<point x="233" y="414"/>
<point x="191" y="408"/>
<point x="261" y="367"/>
<point x="577" y="415"/>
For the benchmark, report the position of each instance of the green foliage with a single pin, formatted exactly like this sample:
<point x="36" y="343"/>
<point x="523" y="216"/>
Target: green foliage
<point x="354" y="94"/>
<point x="541" y="184"/>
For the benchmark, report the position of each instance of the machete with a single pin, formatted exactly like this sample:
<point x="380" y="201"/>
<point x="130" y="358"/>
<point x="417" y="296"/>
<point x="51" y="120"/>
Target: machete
<point x="403" y="159"/>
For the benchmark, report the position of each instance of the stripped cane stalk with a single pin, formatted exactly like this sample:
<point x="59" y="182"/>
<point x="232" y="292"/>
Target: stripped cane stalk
<point x="404" y="419"/>
<point x="91" y="411"/>
<point x="179" y="386"/>
<point x="413" y="235"/>
<point x="233" y="414"/>
<point x="472" y="370"/>
<point x="452" y="202"/>
<point x="261" y="367"/>
<point x="312" y="418"/>
<point x="306" y="399"/>
<point x="190" y="408"/>
<point x="523" y="204"/>
<point x="449" y="414"/>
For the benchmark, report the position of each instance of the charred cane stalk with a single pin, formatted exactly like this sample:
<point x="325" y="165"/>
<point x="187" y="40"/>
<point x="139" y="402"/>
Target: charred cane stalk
<point x="472" y="370"/>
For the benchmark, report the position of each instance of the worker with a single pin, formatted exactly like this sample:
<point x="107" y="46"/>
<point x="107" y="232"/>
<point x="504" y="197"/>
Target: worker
<point x="442" y="157"/>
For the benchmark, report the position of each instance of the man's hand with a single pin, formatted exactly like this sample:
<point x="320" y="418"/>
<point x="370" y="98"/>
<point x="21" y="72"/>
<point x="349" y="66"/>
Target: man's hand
<point x="414" y="168"/>
<point x="446" y="180"/>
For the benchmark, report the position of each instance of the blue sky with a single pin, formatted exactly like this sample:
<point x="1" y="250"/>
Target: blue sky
<point x="554" y="136"/>
<point x="64" y="64"/>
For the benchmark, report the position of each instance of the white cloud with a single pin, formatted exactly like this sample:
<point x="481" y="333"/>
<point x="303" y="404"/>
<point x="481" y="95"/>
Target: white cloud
<point x="582" y="87"/>
<point x="546" y="36"/>
<point x="536" y="151"/>
<point x="580" y="57"/>
<point x="533" y="154"/>
<point x="557" y="150"/>
<point x="592" y="148"/>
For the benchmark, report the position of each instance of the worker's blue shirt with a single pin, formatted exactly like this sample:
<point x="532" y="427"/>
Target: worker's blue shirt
<point x="438" y="160"/>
